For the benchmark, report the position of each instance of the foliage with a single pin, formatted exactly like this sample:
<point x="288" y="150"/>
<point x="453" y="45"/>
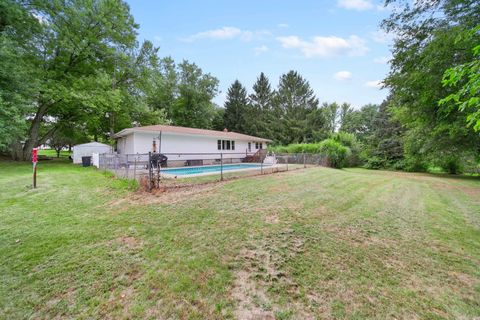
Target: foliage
<point x="261" y="120"/>
<point x="360" y="122"/>
<point x="78" y="64"/>
<point x="350" y="141"/>
<point x="467" y="77"/>
<point x="235" y="116"/>
<point x="336" y="153"/>
<point x="294" y="103"/>
<point x="426" y="44"/>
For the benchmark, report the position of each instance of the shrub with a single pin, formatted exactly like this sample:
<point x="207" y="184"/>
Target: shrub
<point x="296" y="148"/>
<point x="349" y="140"/>
<point x="374" y="163"/>
<point x="415" y="165"/>
<point x="336" y="153"/>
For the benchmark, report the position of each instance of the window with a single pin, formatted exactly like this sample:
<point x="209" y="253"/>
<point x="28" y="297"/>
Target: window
<point x="256" y="145"/>
<point x="261" y="145"/>
<point x="249" y="146"/>
<point x="226" y="145"/>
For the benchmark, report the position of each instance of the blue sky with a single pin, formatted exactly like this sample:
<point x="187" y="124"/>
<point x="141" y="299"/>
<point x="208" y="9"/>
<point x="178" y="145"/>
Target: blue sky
<point x="336" y="45"/>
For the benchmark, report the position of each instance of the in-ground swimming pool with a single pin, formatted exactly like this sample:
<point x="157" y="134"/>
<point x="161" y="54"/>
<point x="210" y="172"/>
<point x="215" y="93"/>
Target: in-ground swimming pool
<point x="209" y="169"/>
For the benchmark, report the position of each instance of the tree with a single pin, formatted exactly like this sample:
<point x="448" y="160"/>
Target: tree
<point x="425" y="46"/>
<point x="295" y="101"/>
<point x="69" y="47"/>
<point x="260" y="116"/>
<point x="384" y="146"/>
<point x="466" y="77"/>
<point x="235" y="116"/>
<point x="193" y="107"/>
<point x="331" y="113"/>
<point x="345" y="113"/>
<point x="361" y="122"/>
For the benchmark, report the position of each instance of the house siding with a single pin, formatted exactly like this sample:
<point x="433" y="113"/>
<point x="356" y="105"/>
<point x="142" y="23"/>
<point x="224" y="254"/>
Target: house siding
<point x="140" y="142"/>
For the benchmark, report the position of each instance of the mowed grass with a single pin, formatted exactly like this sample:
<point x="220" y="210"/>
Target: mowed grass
<point x="308" y="244"/>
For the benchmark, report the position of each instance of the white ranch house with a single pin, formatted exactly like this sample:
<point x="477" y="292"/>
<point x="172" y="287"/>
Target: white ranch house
<point x="190" y="142"/>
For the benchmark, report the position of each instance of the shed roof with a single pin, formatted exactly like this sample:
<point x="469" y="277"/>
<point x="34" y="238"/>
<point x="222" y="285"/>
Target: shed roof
<point x="189" y="131"/>
<point x="91" y="144"/>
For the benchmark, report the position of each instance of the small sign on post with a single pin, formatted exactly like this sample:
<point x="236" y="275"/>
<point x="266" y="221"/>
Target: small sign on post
<point x="34" y="161"/>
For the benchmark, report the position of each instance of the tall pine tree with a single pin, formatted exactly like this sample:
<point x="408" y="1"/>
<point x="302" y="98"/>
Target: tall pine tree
<point x="236" y="108"/>
<point x="260" y="117"/>
<point x="295" y="101"/>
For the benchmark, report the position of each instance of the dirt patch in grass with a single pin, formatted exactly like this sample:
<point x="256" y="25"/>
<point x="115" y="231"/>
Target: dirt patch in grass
<point x="251" y="300"/>
<point x="272" y="218"/>
<point x="167" y="195"/>
<point x="129" y="242"/>
<point x="262" y="271"/>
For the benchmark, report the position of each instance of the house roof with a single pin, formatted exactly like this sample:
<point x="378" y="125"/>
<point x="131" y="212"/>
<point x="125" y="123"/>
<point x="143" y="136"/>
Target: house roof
<point x="91" y="144"/>
<point x="189" y="131"/>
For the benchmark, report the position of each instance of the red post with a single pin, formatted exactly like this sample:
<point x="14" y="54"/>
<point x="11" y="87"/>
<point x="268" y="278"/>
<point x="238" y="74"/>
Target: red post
<point x="34" y="161"/>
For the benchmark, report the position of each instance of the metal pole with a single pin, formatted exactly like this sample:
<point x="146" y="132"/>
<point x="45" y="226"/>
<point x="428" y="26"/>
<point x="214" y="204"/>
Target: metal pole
<point x="304" y="163"/>
<point x="128" y="166"/>
<point x="34" y="175"/>
<point x="135" y="169"/>
<point x="261" y="167"/>
<point x="287" y="162"/>
<point x="149" y="166"/>
<point x="221" y="166"/>
<point x="158" y="173"/>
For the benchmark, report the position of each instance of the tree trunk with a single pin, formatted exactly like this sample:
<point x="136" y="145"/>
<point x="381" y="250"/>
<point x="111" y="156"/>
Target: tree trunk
<point x="58" y="152"/>
<point x="33" y="132"/>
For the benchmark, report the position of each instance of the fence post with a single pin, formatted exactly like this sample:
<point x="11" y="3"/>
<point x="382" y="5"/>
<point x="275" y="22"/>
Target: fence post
<point x="304" y="163"/>
<point x="149" y="166"/>
<point x="127" y="165"/>
<point x="221" y="166"/>
<point x="135" y="169"/>
<point x="261" y="167"/>
<point x="287" y="162"/>
<point x="158" y="173"/>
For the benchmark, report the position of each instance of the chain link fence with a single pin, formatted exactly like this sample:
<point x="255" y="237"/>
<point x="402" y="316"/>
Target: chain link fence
<point x="154" y="170"/>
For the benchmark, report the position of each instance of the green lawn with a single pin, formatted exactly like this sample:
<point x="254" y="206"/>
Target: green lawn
<point x="306" y="244"/>
<point x="52" y="153"/>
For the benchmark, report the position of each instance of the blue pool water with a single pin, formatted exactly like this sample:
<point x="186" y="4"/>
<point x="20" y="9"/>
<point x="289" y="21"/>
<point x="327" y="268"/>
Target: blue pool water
<point x="216" y="168"/>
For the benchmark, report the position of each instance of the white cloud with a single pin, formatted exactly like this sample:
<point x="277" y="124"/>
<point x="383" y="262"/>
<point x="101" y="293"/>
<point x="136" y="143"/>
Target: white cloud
<point x="355" y="4"/>
<point x="377" y="84"/>
<point x="283" y="25"/>
<point x="227" y="33"/>
<point x="326" y="46"/>
<point x="382" y="60"/>
<point x="260" y="50"/>
<point x="343" y="75"/>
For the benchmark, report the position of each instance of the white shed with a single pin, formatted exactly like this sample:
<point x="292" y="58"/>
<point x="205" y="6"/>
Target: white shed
<point x="87" y="149"/>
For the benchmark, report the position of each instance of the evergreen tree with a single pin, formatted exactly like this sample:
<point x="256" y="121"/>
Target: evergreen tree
<point x="235" y="116"/>
<point x="295" y="101"/>
<point x="386" y="138"/>
<point x="260" y="115"/>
